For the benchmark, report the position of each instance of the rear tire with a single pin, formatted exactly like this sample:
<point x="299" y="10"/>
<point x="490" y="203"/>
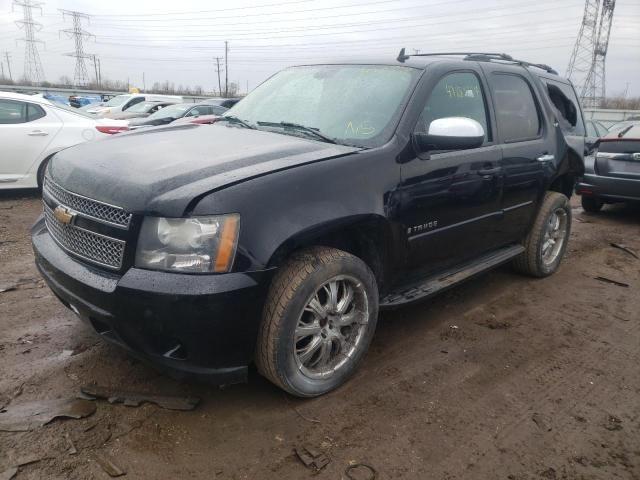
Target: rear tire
<point x="547" y="241"/>
<point x="318" y="321"/>
<point x="591" y="204"/>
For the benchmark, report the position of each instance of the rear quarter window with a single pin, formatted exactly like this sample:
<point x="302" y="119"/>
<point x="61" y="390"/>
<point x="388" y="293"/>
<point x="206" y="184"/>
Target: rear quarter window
<point x="567" y="107"/>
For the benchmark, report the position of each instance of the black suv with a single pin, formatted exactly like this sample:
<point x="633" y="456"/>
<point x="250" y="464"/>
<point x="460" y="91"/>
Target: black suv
<point x="275" y="235"/>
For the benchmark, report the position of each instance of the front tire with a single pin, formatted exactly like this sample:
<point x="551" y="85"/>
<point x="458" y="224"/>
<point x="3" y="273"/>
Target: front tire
<point x="547" y="241"/>
<point x="318" y="321"/>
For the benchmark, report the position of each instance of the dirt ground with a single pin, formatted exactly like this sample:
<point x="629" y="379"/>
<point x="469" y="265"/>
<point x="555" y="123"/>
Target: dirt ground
<point x="505" y="377"/>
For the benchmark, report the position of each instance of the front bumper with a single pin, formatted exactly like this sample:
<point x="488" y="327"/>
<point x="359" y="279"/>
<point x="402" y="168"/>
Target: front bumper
<point x="192" y="325"/>
<point x="609" y="188"/>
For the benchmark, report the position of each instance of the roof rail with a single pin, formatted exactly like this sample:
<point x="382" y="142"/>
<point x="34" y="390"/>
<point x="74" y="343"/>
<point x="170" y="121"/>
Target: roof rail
<point x="478" y="57"/>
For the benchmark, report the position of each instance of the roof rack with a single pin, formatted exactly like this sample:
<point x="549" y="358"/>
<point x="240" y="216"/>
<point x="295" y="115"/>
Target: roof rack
<point x="479" y="57"/>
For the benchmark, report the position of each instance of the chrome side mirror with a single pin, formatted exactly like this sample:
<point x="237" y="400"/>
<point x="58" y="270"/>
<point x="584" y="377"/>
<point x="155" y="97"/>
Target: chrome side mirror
<point x="450" y="133"/>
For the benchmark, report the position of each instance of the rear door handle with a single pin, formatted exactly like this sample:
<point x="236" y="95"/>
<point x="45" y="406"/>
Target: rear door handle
<point x="37" y="133"/>
<point x="489" y="171"/>
<point x="546" y="158"/>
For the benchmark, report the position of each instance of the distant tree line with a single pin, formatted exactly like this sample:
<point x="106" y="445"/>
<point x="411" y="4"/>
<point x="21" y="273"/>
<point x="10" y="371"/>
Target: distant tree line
<point x="165" y="87"/>
<point x="621" y="103"/>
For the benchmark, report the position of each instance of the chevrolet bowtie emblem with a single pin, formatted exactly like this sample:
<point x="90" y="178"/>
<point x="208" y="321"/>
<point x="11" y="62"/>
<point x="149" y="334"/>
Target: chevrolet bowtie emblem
<point x="64" y="215"/>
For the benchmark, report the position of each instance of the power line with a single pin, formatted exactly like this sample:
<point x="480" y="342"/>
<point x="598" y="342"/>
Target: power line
<point x="80" y="77"/>
<point x="33" y="71"/>
<point x="193" y="12"/>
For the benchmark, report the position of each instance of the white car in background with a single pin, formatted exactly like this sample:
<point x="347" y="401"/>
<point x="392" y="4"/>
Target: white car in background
<point x="120" y="103"/>
<point x="33" y="129"/>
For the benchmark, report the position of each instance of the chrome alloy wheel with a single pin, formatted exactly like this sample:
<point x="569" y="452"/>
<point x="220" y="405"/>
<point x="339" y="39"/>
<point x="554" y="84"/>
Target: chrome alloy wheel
<point x="554" y="236"/>
<point x="331" y="326"/>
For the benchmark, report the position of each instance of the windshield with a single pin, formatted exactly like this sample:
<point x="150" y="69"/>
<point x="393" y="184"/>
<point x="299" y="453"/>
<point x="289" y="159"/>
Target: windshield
<point x="172" y="111"/>
<point x="353" y="104"/>
<point x="141" y="107"/>
<point x="117" y="101"/>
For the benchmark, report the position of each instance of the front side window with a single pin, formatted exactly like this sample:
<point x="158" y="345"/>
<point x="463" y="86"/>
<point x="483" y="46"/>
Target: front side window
<point x="516" y="110"/>
<point x="457" y="94"/>
<point x="12" y="112"/>
<point x="352" y="104"/>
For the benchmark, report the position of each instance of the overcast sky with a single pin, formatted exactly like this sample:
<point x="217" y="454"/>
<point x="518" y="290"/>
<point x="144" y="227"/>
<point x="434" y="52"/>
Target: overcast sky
<point x="178" y="41"/>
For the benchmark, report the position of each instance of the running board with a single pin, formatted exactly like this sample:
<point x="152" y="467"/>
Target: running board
<point x="437" y="283"/>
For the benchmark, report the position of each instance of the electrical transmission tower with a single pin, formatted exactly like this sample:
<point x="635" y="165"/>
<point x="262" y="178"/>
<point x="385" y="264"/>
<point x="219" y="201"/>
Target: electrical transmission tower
<point x="80" y="77"/>
<point x="587" y="64"/>
<point x="32" y="66"/>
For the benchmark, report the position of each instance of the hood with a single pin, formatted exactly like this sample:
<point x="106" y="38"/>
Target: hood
<point x="161" y="170"/>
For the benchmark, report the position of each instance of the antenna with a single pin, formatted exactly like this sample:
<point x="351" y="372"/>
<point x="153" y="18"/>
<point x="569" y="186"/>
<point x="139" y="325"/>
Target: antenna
<point x="32" y="65"/>
<point x="587" y="64"/>
<point x="80" y="77"/>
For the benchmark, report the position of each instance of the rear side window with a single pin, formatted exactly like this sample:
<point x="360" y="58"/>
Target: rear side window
<point x="34" y="112"/>
<point x="516" y="110"/>
<point x="566" y="104"/>
<point x="12" y="112"/>
<point x="457" y="94"/>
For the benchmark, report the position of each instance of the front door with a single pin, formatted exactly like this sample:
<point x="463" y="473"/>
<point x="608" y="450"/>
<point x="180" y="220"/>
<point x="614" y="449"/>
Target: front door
<point x="451" y="199"/>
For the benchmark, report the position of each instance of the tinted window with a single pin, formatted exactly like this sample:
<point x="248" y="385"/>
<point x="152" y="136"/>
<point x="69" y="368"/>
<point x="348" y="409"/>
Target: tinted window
<point x="516" y="110"/>
<point x="566" y="104"/>
<point x="12" y="112"/>
<point x="34" y="112"/>
<point x="455" y="95"/>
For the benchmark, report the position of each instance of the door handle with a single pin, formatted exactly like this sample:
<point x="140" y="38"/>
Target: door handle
<point x="489" y="171"/>
<point x="37" y="133"/>
<point x="546" y="158"/>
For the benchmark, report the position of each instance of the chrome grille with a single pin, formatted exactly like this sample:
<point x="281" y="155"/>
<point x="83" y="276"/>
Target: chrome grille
<point x="91" y="246"/>
<point x="87" y="207"/>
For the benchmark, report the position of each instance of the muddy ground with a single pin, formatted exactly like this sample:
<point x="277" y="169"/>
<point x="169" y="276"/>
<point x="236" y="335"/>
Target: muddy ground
<point x="505" y="377"/>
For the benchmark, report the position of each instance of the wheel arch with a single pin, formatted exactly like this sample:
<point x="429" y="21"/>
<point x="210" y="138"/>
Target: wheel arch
<point x="570" y="169"/>
<point x="368" y="237"/>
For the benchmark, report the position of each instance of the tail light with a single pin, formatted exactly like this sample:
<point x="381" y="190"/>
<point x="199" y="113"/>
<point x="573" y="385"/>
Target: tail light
<point x="111" y="130"/>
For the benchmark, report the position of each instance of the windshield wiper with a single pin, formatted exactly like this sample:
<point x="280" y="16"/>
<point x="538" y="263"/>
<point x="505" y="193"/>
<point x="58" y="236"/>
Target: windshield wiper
<point x="236" y="120"/>
<point x="303" y="128"/>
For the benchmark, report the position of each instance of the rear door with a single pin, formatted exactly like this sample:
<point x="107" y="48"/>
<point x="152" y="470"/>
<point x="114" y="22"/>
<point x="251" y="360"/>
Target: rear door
<point x="527" y="147"/>
<point x="26" y="129"/>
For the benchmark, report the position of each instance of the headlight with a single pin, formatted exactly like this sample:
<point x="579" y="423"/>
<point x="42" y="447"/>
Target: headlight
<point x="198" y="244"/>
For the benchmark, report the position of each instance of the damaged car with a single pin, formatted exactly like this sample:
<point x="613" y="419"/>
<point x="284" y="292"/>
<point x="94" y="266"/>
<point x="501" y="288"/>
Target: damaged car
<point x="276" y="235"/>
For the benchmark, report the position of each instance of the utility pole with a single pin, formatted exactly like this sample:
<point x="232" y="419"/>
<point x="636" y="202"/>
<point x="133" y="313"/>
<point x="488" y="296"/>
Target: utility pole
<point x="99" y="72"/>
<point x="226" y="68"/>
<point x="32" y="65"/>
<point x="80" y="77"/>
<point x="95" y="68"/>
<point x="6" y="54"/>
<point x="2" y="71"/>
<point x="144" y="83"/>
<point x="218" y="70"/>
<point x="247" y="87"/>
